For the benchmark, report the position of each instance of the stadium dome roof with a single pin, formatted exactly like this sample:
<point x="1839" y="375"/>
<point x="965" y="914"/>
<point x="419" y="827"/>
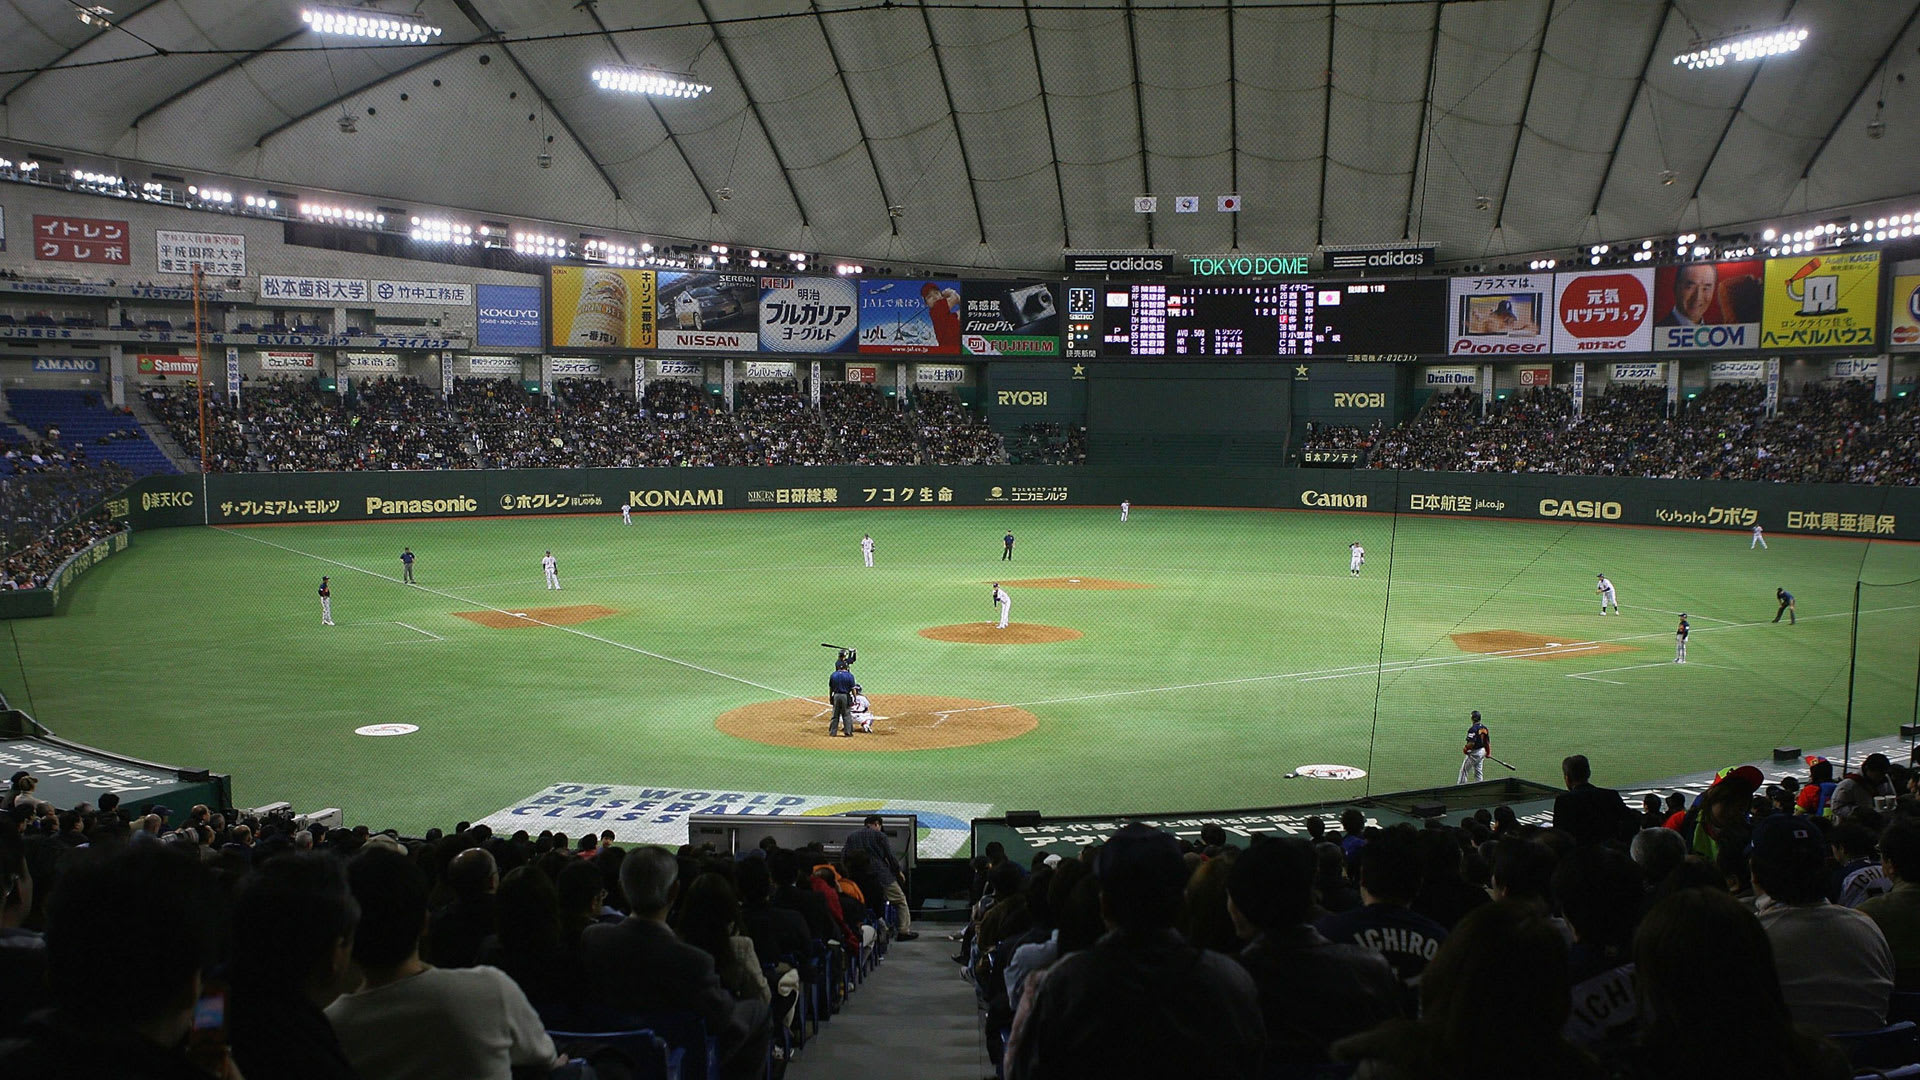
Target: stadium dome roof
<point x="994" y="133"/>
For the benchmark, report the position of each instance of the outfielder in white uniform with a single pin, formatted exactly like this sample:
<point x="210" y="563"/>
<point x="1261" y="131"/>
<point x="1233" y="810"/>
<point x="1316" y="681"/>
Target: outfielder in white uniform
<point x="862" y="710"/>
<point x="626" y="513"/>
<point x="1124" y="507"/>
<point x="1356" y="558"/>
<point x="1758" y="540"/>
<point x="1605" y="589"/>
<point x="553" y="571"/>
<point x="1002" y="601"/>
<point x="866" y="548"/>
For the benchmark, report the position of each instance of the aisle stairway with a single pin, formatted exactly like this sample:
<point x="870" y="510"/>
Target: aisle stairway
<point x="914" y="1017"/>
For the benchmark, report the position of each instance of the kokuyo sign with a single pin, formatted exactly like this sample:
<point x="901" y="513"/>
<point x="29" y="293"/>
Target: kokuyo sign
<point x="1604" y="312"/>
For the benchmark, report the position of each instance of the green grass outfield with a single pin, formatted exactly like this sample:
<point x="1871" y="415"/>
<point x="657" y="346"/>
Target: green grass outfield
<point x="1254" y="652"/>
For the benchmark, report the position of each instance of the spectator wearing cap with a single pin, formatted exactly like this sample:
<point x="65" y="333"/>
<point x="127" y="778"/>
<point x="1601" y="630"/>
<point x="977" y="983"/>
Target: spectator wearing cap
<point x="1835" y="967"/>
<point x="1386" y="922"/>
<point x="1590" y="814"/>
<point x="1723" y="809"/>
<point x="1312" y="991"/>
<point x="156" y="958"/>
<point x="1141" y="1001"/>
<point x="411" y="1019"/>
<point x="1857" y="792"/>
<point x="293" y="925"/>
<point x="1897" y="913"/>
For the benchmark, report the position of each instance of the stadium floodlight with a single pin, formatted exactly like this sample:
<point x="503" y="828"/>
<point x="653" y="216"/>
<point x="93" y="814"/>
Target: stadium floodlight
<point x="368" y="23"/>
<point x="1718" y="51"/>
<point x="648" y="81"/>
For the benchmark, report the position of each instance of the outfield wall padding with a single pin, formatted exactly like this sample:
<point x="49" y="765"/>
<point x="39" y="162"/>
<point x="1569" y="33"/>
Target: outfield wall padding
<point x="1853" y="511"/>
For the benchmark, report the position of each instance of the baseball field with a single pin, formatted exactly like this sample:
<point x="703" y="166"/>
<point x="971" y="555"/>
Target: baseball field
<point x="1186" y="659"/>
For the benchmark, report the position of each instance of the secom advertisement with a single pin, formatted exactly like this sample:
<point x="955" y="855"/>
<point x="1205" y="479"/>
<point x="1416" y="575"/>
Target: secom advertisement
<point x="1706" y="307"/>
<point x="597" y="307"/>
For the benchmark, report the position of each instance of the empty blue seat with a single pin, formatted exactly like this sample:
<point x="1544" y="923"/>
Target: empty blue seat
<point x="1895" y="1044"/>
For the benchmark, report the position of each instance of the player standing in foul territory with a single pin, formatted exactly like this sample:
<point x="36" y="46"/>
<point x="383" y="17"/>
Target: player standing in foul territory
<point x="326" y="603"/>
<point x="626" y="513"/>
<point x="1002" y="601"/>
<point x="406" y="566"/>
<point x="1605" y="589"/>
<point x="553" y="570"/>
<point x="1479" y="745"/>
<point x="1007" y="555"/>
<point x="1758" y="540"/>
<point x="866" y="548"/>
<point x="1356" y="558"/>
<point x="1124" y="507"/>
<point x="1786" y="607"/>
<point x="1680" y="640"/>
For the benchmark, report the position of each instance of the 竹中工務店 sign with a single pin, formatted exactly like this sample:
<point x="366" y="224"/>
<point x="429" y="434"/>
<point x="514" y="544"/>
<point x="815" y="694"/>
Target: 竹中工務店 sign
<point x="429" y="293"/>
<point x="1821" y="301"/>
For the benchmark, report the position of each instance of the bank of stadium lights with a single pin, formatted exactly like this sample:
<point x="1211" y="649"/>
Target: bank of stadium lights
<point x="606" y="251"/>
<point x="367" y="23"/>
<point x="540" y="245"/>
<point x="848" y="269"/>
<point x="341" y="215"/>
<point x="439" y="231"/>
<point x="209" y="195"/>
<point x="98" y="181"/>
<point x="1716" y="53"/>
<point x="647" y="81"/>
<point x="261" y="202"/>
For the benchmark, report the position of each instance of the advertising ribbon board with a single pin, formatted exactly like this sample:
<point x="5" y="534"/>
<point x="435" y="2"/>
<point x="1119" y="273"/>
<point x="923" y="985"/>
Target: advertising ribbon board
<point x="1607" y="311"/>
<point x="1011" y="318"/>
<point x="1531" y="377"/>
<point x="566" y="366"/>
<point x="1499" y="315"/>
<point x="1720" y="371"/>
<point x="679" y="369"/>
<point x="507" y="317"/>
<point x="70" y="365"/>
<point x="808" y="314"/>
<point x="1450" y="375"/>
<point x="1703" y="307"/>
<point x="368" y="361"/>
<point x="939" y="373"/>
<point x="286" y="361"/>
<point x="766" y="369"/>
<point x="1821" y="301"/>
<point x="596" y="307"/>
<point x="863" y="373"/>
<point x="293" y="288"/>
<point x="1903" y="332"/>
<point x="494" y="365"/>
<point x="707" y="312"/>
<point x="1637" y="372"/>
<point x="910" y="317"/>
<point x="442" y="293"/>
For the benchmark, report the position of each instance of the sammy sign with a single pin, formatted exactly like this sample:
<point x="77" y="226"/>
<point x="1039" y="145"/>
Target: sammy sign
<point x="808" y="314"/>
<point x="658" y="815"/>
<point x="1604" y="312"/>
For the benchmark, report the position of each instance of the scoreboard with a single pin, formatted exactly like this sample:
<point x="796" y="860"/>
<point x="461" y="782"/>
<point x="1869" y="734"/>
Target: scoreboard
<point x="1267" y="319"/>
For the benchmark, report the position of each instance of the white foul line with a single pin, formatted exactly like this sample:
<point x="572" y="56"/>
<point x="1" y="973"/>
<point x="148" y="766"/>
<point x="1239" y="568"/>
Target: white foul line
<point x="417" y="630"/>
<point x="537" y="622"/>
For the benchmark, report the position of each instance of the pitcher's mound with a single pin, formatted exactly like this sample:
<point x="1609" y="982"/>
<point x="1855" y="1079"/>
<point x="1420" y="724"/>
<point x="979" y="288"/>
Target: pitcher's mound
<point x="538" y="616"/>
<point x="1075" y="583"/>
<point x="900" y="722"/>
<point x="986" y="633"/>
<point x="1521" y="645"/>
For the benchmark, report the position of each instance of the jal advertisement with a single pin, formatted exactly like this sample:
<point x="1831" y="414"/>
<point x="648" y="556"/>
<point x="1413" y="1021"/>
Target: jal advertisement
<point x="910" y="317"/>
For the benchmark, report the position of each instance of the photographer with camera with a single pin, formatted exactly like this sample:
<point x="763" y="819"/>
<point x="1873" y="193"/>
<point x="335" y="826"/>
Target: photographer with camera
<point x="840" y="693"/>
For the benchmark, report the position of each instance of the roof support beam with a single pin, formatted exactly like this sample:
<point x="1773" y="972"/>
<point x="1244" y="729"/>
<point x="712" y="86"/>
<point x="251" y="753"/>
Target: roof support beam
<point x="1626" y="118"/>
<point x="1733" y="117"/>
<point x="753" y="107"/>
<point x="1140" y="115"/>
<point x="1526" y="107"/>
<point x="1326" y="126"/>
<point x="54" y="65"/>
<point x="959" y="137"/>
<point x="1233" y="128"/>
<point x="859" y="122"/>
<point x="327" y="106"/>
<point x="1879" y="66"/>
<point x="1424" y="135"/>
<point x="215" y="75"/>
<point x="1046" y="112"/>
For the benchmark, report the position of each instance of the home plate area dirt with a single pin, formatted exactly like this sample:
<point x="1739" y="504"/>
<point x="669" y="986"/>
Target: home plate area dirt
<point x="1521" y="645"/>
<point x="900" y="722"/>
<point x="986" y="633"/>
<point x="538" y="616"/>
<point x="1074" y="583"/>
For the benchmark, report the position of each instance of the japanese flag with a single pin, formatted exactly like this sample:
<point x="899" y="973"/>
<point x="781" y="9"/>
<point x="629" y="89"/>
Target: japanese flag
<point x="1186" y="204"/>
<point x="1229" y="204"/>
<point x="1145" y="204"/>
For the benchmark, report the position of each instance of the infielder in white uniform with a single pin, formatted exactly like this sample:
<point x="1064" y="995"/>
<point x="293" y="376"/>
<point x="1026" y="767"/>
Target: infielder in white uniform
<point x="866" y="548"/>
<point x="1002" y="601"/>
<point x="1758" y="540"/>
<point x="626" y="513"/>
<point x="1356" y="558"/>
<point x="1124" y="507"/>
<point x="1605" y="589"/>
<point x="553" y="571"/>
<point x="862" y="710"/>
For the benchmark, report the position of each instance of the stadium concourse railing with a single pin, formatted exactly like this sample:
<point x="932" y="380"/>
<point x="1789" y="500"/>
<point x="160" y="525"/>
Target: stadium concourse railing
<point x="1842" y="510"/>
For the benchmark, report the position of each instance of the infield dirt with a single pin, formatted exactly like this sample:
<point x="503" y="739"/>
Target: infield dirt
<point x="1522" y="645"/>
<point x="538" y="616"/>
<point x="900" y="722"/>
<point x="986" y="633"/>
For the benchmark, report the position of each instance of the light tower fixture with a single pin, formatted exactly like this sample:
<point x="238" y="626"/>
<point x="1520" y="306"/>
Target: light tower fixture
<point x="369" y="23"/>
<point x="630" y="80"/>
<point x="1716" y="52"/>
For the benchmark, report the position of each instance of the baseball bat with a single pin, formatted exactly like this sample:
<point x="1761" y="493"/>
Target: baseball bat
<point x="824" y="645"/>
<point x="1497" y="761"/>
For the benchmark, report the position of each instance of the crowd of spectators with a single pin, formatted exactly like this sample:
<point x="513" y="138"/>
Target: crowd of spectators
<point x="1830" y="432"/>
<point x="348" y="953"/>
<point x="46" y="493"/>
<point x="400" y="423"/>
<point x="1048" y="444"/>
<point x="1760" y="929"/>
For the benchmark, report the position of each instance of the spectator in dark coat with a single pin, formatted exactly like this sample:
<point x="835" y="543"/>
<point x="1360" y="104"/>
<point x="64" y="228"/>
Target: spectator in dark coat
<point x="1592" y="815"/>
<point x="455" y="932"/>
<point x="293" y="926"/>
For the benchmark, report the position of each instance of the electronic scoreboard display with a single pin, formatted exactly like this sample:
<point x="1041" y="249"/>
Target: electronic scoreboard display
<point x="1278" y="319"/>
